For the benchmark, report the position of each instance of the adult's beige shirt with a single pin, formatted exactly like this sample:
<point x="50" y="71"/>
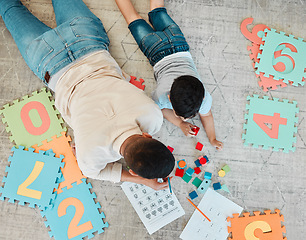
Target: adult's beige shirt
<point x="104" y="110"/>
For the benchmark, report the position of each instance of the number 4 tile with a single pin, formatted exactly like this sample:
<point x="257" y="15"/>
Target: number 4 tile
<point x="270" y="123"/>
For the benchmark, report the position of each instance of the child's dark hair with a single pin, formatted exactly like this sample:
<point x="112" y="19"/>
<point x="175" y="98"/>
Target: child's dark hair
<point x="149" y="158"/>
<point x="186" y="96"/>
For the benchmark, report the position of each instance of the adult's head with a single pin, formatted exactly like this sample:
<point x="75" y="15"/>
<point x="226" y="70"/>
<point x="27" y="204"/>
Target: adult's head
<point x="186" y="96"/>
<point x="148" y="157"/>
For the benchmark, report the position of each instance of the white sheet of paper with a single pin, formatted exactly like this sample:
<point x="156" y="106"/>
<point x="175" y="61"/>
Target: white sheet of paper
<point x="217" y="208"/>
<point x="155" y="208"/>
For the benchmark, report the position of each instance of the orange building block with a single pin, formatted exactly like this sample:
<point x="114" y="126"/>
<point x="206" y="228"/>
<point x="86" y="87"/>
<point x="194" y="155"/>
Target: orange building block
<point x="258" y="227"/>
<point x="71" y="171"/>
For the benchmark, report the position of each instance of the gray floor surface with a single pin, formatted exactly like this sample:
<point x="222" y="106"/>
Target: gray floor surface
<point x="259" y="180"/>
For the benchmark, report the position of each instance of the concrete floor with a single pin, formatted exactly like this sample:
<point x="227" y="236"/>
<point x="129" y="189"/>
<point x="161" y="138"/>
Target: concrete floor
<point x="259" y="180"/>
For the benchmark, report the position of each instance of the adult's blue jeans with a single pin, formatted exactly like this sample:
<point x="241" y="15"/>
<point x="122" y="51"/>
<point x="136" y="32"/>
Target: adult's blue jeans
<point x="46" y="50"/>
<point x="163" y="39"/>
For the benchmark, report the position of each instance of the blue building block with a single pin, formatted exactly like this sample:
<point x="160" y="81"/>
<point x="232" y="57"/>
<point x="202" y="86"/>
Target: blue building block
<point x="204" y="186"/>
<point x="193" y="195"/>
<point x="197" y="163"/>
<point x="217" y="186"/>
<point x="190" y="171"/>
<point x="207" y="175"/>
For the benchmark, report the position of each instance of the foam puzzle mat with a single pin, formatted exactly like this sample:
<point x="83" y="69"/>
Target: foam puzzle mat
<point x="270" y="123"/>
<point x="75" y="214"/>
<point x="71" y="171"/>
<point x="292" y="55"/>
<point x="32" y="119"/>
<point x="32" y="177"/>
<point x="265" y="225"/>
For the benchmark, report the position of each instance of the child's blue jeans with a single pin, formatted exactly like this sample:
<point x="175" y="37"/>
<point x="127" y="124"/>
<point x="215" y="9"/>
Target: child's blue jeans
<point x="166" y="38"/>
<point x="46" y="50"/>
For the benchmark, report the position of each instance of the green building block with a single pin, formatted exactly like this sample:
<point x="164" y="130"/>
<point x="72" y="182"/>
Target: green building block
<point x="226" y="168"/>
<point x="186" y="178"/>
<point x="197" y="182"/>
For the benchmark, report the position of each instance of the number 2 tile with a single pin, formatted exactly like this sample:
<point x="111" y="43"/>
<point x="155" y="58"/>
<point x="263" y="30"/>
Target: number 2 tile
<point x="75" y="214"/>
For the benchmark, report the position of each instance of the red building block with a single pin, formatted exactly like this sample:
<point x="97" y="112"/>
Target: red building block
<point x="197" y="170"/>
<point x="199" y="146"/>
<point x="170" y="148"/>
<point x="195" y="130"/>
<point x="202" y="160"/>
<point x="179" y="172"/>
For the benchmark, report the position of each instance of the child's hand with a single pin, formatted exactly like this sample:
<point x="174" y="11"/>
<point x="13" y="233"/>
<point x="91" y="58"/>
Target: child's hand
<point x="217" y="144"/>
<point x="154" y="184"/>
<point x="73" y="148"/>
<point x="186" y="128"/>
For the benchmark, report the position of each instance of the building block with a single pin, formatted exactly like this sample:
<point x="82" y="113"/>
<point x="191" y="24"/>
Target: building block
<point x="139" y="84"/>
<point x="226" y="168"/>
<point x="217" y="186"/>
<point x="32" y="177"/>
<point x="193" y="195"/>
<point x="280" y="114"/>
<point x="207" y="175"/>
<point x="204" y="186"/>
<point x="197" y="170"/>
<point x="75" y="203"/>
<point x="221" y="173"/>
<point x="181" y="164"/>
<point x="263" y="226"/>
<point x="225" y="188"/>
<point x="203" y="160"/>
<point x="196" y="182"/>
<point x="32" y="119"/>
<point x="190" y="171"/>
<point x="179" y="172"/>
<point x="199" y="146"/>
<point x="197" y="163"/>
<point x="292" y="56"/>
<point x="171" y="149"/>
<point x="61" y="146"/>
<point x="195" y="130"/>
<point x="186" y="178"/>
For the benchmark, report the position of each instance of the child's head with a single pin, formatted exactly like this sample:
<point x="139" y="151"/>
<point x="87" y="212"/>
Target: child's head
<point x="186" y="96"/>
<point x="149" y="158"/>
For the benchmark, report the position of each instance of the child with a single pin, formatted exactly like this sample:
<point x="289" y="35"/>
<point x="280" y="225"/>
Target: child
<point x="91" y="93"/>
<point x="179" y="92"/>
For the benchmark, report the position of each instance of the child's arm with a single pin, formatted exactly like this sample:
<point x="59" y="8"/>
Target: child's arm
<point x="152" y="183"/>
<point x="209" y="126"/>
<point x="177" y="121"/>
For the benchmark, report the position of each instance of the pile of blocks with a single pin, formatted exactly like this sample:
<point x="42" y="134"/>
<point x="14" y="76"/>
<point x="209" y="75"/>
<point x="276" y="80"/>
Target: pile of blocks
<point x="201" y="186"/>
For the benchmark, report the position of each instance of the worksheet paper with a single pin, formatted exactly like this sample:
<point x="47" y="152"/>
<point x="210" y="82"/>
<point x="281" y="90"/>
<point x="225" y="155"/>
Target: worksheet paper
<point x="155" y="208"/>
<point x="217" y="208"/>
